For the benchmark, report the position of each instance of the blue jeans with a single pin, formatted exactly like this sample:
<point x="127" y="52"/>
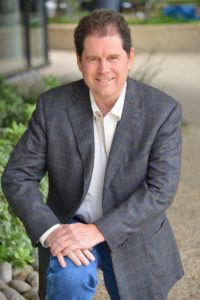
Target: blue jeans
<point x="79" y="283"/>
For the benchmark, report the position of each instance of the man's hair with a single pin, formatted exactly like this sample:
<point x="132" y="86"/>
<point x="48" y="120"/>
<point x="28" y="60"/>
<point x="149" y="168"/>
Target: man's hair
<point x="102" y="22"/>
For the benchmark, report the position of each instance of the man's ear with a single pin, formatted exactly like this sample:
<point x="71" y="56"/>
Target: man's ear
<point x="78" y="60"/>
<point x="131" y="58"/>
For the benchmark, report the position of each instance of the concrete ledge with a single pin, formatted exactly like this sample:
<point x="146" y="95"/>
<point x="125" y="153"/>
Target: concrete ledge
<point x="61" y="37"/>
<point x="181" y="38"/>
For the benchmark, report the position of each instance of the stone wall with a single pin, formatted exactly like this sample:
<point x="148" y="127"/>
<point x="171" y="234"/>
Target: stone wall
<point x="181" y="38"/>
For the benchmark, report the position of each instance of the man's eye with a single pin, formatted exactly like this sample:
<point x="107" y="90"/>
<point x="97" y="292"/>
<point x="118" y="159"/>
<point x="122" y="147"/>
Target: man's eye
<point x="92" y="59"/>
<point x="114" y="58"/>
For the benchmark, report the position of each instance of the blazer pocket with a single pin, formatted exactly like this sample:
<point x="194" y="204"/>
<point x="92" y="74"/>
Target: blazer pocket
<point x="159" y="252"/>
<point x="157" y="234"/>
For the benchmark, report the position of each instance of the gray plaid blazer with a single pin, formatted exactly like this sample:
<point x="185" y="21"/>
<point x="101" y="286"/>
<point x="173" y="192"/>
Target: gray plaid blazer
<point x="140" y="183"/>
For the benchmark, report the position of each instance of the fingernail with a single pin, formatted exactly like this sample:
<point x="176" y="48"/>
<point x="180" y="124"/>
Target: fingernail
<point x="92" y="258"/>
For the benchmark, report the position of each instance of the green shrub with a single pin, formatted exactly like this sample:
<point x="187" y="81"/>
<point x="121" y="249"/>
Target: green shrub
<point x="38" y="85"/>
<point x="50" y="82"/>
<point x="14" y="107"/>
<point x="15" y="247"/>
<point x="11" y="104"/>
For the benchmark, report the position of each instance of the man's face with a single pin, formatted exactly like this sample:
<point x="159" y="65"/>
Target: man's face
<point x="104" y="65"/>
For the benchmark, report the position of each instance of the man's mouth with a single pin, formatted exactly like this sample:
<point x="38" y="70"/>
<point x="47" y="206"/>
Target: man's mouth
<point x="105" y="79"/>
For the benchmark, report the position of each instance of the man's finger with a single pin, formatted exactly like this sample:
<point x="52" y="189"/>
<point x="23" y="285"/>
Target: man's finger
<point x="88" y="254"/>
<point x="73" y="257"/>
<point x="81" y="256"/>
<point x="61" y="260"/>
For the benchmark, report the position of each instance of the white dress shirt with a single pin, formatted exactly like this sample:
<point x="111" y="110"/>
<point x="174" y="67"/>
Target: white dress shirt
<point x="104" y="130"/>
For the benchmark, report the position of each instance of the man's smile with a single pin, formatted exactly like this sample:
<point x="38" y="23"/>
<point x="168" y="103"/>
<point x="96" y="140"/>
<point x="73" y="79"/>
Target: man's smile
<point x="105" y="79"/>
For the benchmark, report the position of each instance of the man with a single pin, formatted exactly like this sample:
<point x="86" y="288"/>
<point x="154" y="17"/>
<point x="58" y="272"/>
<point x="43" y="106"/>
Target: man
<point x="112" y="150"/>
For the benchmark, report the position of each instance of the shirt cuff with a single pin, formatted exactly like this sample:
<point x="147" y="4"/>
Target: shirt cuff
<point x="46" y="234"/>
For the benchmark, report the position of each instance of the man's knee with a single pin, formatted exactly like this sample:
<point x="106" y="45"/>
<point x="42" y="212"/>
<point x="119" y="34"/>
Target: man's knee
<point x="71" y="279"/>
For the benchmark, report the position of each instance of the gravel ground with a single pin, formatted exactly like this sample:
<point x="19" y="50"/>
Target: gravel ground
<point x="185" y="219"/>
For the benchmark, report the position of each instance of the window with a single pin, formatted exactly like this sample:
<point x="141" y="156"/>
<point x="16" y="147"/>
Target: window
<point x="23" y="37"/>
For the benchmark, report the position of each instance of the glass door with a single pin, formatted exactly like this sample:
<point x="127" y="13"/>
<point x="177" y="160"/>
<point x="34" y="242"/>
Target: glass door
<point x="12" y="38"/>
<point x="37" y="33"/>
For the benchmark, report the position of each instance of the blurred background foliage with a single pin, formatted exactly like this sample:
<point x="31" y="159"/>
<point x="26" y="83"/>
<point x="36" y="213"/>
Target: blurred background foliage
<point x="135" y="11"/>
<point x="15" y="111"/>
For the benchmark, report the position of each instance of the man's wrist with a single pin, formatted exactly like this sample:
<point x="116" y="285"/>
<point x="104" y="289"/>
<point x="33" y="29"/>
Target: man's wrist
<point x="43" y="238"/>
<point x="98" y="234"/>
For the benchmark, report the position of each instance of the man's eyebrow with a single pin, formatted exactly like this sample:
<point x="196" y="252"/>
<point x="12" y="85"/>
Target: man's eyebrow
<point x="91" y="55"/>
<point x="114" y="54"/>
<point x="95" y="55"/>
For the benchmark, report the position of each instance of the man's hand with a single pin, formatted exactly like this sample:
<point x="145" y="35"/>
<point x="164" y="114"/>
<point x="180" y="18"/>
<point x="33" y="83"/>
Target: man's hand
<point x="74" y="241"/>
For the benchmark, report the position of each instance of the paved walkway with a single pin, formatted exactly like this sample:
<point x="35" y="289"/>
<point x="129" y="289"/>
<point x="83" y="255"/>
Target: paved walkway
<point x="176" y="74"/>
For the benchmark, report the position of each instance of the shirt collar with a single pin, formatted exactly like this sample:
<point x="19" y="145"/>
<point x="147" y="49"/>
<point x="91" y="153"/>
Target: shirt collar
<point x="116" y="109"/>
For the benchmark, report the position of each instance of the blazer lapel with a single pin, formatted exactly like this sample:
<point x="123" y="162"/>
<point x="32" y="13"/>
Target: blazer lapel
<point x="81" y="118"/>
<point x="127" y="130"/>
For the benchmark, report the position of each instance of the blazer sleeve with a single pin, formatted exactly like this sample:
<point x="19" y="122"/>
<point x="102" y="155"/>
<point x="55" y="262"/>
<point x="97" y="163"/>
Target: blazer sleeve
<point x="156" y="192"/>
<point x="22" y="174"/>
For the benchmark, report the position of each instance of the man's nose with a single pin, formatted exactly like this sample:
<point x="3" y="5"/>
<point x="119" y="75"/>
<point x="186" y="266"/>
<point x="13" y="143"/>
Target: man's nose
<point x="103" y="66"/>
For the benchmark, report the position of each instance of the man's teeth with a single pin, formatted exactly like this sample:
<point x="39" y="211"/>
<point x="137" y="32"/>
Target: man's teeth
<point x="105" y="80"/>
